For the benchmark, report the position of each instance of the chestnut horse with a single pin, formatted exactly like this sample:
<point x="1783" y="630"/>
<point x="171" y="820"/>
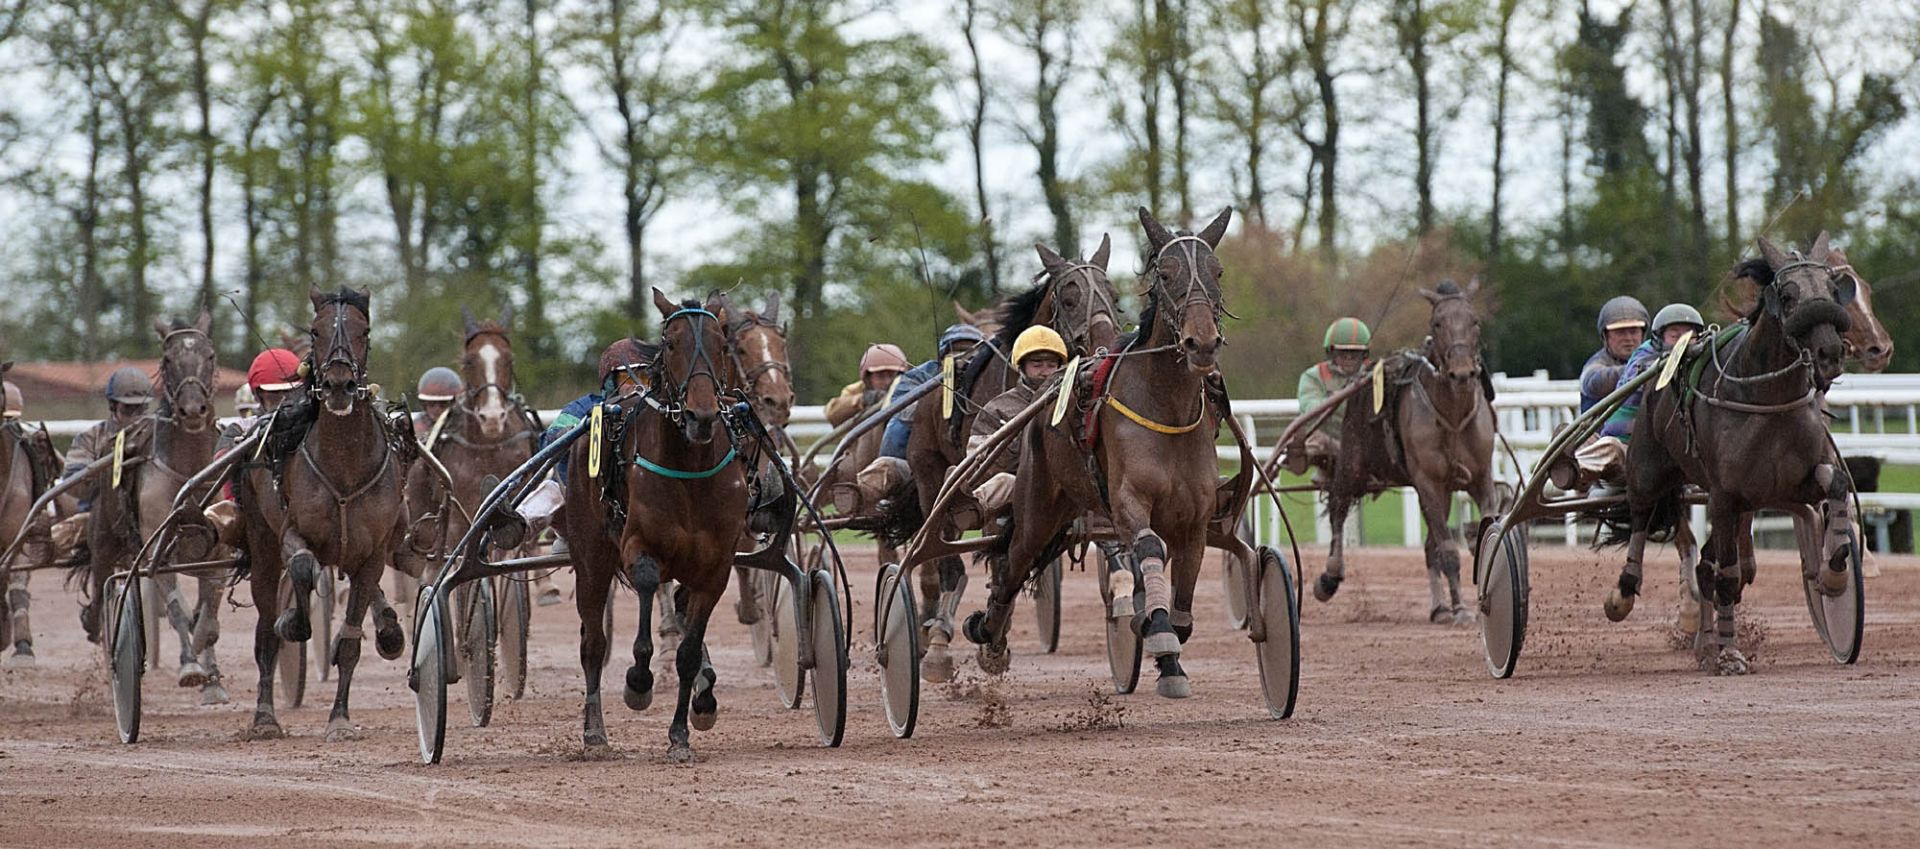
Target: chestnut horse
<point x="678" y="506"/>
<point x="338" y="505"/>
<point x="1153" y="470"/>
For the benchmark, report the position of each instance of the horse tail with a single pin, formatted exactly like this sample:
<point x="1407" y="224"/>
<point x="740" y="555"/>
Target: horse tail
<point x="900" y="516"/>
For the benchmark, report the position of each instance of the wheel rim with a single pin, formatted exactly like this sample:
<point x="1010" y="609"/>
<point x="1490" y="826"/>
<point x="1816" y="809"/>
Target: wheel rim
<point x="322" y="618"/>
<point x="481" y="640"/>
<point x="1123" y="645"/>
<point x="290" y="679"/>
<point x="1046" y="606"/>
<point x="788" y="678"/>
<point x="430" y="681"/>
<point x="1278" y="657"/>
<point x="1840" y="619"/>
<point x="516" y="618"/>
<point x="900" y="655"/>
<point x="129" y="662"/>
<point x="1233" y="580"/>
<point x="1503" y="599"/>
<point x="829" y="666"/>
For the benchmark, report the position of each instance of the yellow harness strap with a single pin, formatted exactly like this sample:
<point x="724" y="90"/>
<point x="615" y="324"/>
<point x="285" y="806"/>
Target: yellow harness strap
<point x="119" y="454"/>
<point x="1152" y="425"/>
<point x="433" y="434"/>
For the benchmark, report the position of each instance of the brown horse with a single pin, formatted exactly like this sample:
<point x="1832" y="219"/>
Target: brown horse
<point x="1434" y="432"/>
<point x="1754" y="392"/>
<point x="1154" y="471"/>
<point x="27" y="468"/>
<point x="678" y="506"/>
<point x="1074" y="298"/>
<point x="338" y="505"/>
<point x="1866" y="338"/>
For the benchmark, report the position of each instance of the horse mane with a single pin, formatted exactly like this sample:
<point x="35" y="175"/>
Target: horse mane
<point x="1016" y="314"/>
<point x="1761" y="273"/>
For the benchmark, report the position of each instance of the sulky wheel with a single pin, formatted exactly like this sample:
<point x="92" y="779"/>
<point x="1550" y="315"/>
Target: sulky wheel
<point x="152" y="607"/>
<point x="789" y="680"/>
<point x="1123" y="645"/>
<point x="127" y="654"/>
<point x="323" y="619"/>
<point x="1279" y="655"/>
<point x="829" y="662"/>
<point x="1046" y="604"/>
<point x="1233" y="578"/>
<point x="516" y="618"/>
<point x="1500" y="570"/>
<point x="477" y="647"/>
<point x="290" y="677"/>
<point x="1839" y="619"/>
<point x="761" y="631"/>
<point x="428" y="675"/>
<point x="898" y="647"/>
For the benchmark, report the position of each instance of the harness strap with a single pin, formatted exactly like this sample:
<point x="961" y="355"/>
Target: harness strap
<point x="341" y="501"/>
<point x="678" y="474"/>
<point x="1154" y="426"/>
<point x="1743" y="407"/>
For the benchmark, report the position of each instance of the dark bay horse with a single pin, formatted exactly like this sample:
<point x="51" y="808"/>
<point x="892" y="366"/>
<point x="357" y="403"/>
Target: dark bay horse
<point x="338" y="505"/>
<point x="1753" y="392"/>
<point x="1154" y="472"/>
<point x="1075" y="298"/>
<point x="1866" y="338"/>
<point x="678" y="507"/>
<point x="1434" y="432"/>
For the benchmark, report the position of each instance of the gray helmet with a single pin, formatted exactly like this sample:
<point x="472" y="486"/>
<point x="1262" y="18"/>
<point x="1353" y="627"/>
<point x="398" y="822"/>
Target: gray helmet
<point x="129" y="385"/>
<point x="1623" y="311"/>
<point x="960" y="333"/>
<point x="1677" y="314"/>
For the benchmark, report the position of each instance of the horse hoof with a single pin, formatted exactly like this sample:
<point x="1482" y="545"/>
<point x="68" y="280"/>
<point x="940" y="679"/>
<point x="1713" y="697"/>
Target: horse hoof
<point x="342" y="730"/>
<point x="1174" y="686"/>
<point x="265" y="728"/>
<point x="192" y="674"/>
<point x="639" y="692"/>
<point x="388" y="638"/>
<point x="548" y="597"/>
<point x="1731" y="662"/>
<point x="937" y="666"/>
<point x="1617" y="606"/>
<point x="1325" y="587"/>
<point x="292" y="627"/>
<point x="706" y="709"/>
<point x="1440" y="615"/>
<point x="1832" y="583"/>
<point x="1462" y="616"/>
<point x="993" y="662"/>
<point x="680" y="753"/>
<point x="592" y="742"/>
<point x="213" y="694"/>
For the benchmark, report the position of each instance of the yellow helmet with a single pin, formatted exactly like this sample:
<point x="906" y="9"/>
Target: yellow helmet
<point x="1038" y="339"/>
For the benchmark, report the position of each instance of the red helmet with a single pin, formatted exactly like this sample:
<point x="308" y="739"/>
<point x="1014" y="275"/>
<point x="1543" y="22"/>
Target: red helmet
<point x="620" y="355"/>
<point x="275" y="370"/>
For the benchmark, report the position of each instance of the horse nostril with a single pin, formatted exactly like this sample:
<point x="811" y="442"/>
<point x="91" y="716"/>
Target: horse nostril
<point x="1190" y="343"/>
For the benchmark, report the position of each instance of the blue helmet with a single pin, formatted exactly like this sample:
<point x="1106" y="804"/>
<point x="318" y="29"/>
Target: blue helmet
<point x="960" y="333"/>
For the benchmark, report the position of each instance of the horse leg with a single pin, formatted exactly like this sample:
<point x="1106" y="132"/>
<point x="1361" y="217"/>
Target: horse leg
<point x="646" y="582"/>
<point x="18" y="600"/>
<point x="1189" y="551"/>
<point x="950" y="577"/>
<point x="1726" y="587"/>
<point x="672" y="622"/>
<point x="192" y="674"/>
<point x="266" y="649"/>
<point x="389" y="639"/>
<point x="591" y="596"/>
<point x="1329" y="581"/>
<point x="1443" y="557"/>
<point x="746" y="608"/>
<point x="1687" y="546"/>
<point x="695" y="699"/>
<point x="1031" y="532"/>
<point x="206" y="632"/>
<point x="1836" y="514"/>
<point x="304" y="570"/>
<point x="346" y="649"/>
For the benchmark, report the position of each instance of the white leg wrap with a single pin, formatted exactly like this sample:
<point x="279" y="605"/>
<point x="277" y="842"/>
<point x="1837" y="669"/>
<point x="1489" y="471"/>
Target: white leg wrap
<point x="1153" y="575"/>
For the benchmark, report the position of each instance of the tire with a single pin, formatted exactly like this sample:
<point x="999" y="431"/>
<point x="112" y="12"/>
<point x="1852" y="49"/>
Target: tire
<point x="516" y="621"/>
<point x="127" y="656"/>
<point x="482" y="637"/>
<point x="1233" y="579"/>
<point x="1046" y="604"/>
<point x="897" y="647"/>
<point x="1500" y="570"/>
<point x="829" y="662"/>
<point x="290" y="673"/>
<point x="1840" y="620"/>
<point x="1124" y="647"/>
<point x="789" y="679"/>
<point x="429" y="677"/>
<point x="1279" y="656"/>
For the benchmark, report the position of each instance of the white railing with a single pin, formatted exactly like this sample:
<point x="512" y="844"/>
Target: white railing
<point x="1529" y="408"/>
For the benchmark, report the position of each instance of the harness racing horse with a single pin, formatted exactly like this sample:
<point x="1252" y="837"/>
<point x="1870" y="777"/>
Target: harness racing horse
<point x="337" y="505"/>
<point x="1751" y="391"/>
<point x="1151" y="467"/>
<point x="1433" y="431"/>
<point x="1074" y="298"/>
<point x="677" y="506"/>
<point x="27" y="468"/>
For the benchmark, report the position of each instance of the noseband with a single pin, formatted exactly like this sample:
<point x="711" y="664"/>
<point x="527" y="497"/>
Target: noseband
<point x="339" y="352"/>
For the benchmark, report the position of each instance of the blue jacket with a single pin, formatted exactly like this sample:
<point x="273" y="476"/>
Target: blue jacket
<point x="900" y="428"/>
<point x="570" y="415"/>
<point x="1620" y="423"/>
<point x="1599" y="377"/>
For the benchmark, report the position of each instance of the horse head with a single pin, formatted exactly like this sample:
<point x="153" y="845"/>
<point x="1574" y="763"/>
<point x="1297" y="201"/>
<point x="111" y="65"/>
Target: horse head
<point x="486" y="367"/>
<point x="1867" y="338"/>
<point x="1808" y="297"/>
<point x="1183" y="287"/>
<point x="187" y="361"/>
<point x="340" y="340"/>
<point x="1079" y="301"/>
<point x="1454" y="329"/>
<point x="757" y="350"/>
<point x="692" y="338"/>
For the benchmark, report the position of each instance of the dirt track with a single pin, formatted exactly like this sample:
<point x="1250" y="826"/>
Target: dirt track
<point x="1606" y="737"/>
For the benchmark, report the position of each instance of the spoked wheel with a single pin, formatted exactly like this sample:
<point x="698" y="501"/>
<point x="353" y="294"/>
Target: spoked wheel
<point x="1123" y="645"/>
<point x="323" y="619"/>
<point x="1500" y="570"/>
<point x="829" y="662"/>
<point x="1279" y="656"/>
<point x="290" y="676"/>
<point x="477" y="646"/>
<point x="789" y="680"/>
<point x="898" y="646"/>
<point x="127" y="655"/>
<point x="1046" y="604"/>
<point x="516" y="618"/>
<point x="1840" y="619"/>
<point x="765" y="585"/>
<point x="1233" y="579"/>
<point x="428" y="675"/>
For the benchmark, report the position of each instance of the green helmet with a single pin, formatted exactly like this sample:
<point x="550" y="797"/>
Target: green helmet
<point x="1348" y="334"/>
<point x="1676" y="314"/>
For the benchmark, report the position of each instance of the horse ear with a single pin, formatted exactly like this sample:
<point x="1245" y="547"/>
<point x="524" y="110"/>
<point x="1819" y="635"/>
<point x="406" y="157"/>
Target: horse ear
<point x="772" y="312"/>
<point x="1473" y="285"/>
<point x="717" y="304"/>
<point x="1846" y="289"/>
<point x="1771" y="253"/>
<point x="1431" y="296"/>
<point x="204" y="322"/>
<point x="366" y="294"/>
<point x="467" y="320"/>
<point x="316" y="297"/>
<point x="1738" y="297"/>
<point x="506" y="317"/>
<point x="961" y="313"/>
<point x="1104" y="253"/>
<point x="663" y="303"/>
<point x="6" y="365"/>
<point x="1820" y="249"/>
<point x="1048" y="259"/>
<point x="1157" y="235"/>
<point x="1217" y="229"/>
<point x="162" y="327"/>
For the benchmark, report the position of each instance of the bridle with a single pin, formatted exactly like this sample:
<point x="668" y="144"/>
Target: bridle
<point x="170" y="389"/>
<point x="1444" y="355"/>
<point x="339" y="352"/>
<point x="676" y="394"/>
<point x="750" y="377"/>
<point x="1196" y="291"/>
<point x="1099" y="300"/>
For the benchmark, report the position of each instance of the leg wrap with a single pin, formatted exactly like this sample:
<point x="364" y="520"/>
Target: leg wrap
<point x="1151" y="553"/>
<point x="1182" y="624"/>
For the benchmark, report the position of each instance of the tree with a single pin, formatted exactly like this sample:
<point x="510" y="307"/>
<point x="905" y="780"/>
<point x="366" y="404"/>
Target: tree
<point x="1320" y="27"/>
<point x="1504" y="14"/>
<point x="140" y="85"/>
<point x="1047" y="31"/>
<point x="196" y="23"/>
<point x="975" y="122"/>
<point x="1247" y="90"/>
<point x="1423" y="28"/>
